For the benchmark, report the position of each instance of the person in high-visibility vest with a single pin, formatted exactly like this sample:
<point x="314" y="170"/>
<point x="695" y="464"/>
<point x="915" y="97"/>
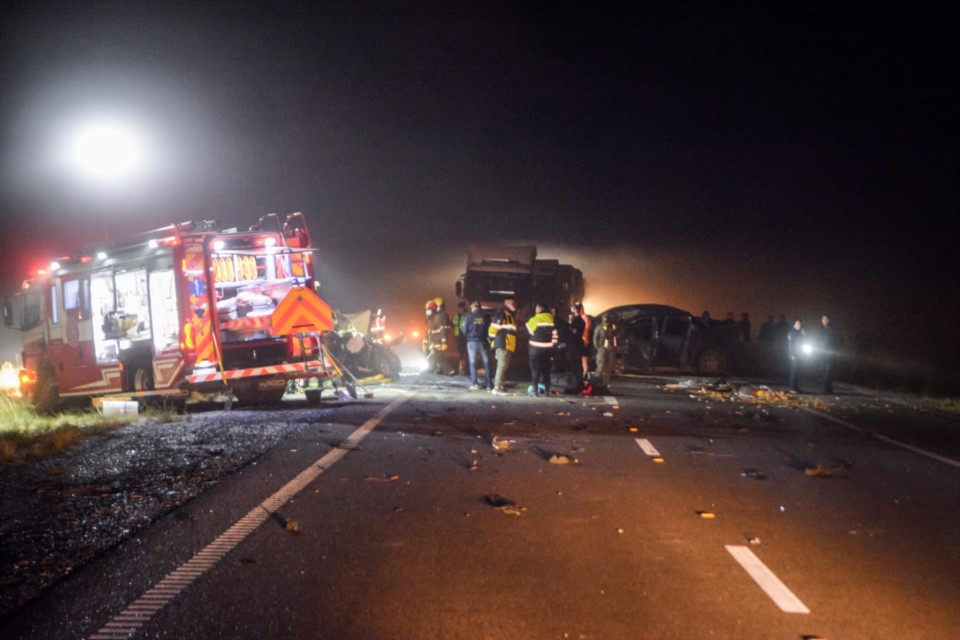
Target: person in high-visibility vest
<point x="459" y="335"/>
<point x="503" y="339"/>
<point x="378" y="326"/>
<point x="542" y="345"/>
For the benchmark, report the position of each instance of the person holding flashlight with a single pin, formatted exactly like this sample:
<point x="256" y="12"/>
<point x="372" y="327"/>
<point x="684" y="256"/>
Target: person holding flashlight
<point x="794" y="337"/>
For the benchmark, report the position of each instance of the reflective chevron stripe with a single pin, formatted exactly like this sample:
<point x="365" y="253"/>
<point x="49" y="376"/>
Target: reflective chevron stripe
<point x="312" y="369"/>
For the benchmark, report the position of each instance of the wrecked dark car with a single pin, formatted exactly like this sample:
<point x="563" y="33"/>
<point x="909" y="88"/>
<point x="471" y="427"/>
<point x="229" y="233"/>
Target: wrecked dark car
<point x="656" y="337"/>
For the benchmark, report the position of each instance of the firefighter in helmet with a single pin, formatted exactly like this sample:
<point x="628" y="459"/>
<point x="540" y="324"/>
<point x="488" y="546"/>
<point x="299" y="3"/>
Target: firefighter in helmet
<point x="435" y="342"/>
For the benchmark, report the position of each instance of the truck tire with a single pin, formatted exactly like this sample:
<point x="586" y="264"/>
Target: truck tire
<point x="711" y="362"/>
<point x="256" y="397"/>
<point x="46" y="395"/>
<point x="140" y="375"/>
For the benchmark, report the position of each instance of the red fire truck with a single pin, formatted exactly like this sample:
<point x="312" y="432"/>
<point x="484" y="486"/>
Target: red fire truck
<point x="186" y="308"/>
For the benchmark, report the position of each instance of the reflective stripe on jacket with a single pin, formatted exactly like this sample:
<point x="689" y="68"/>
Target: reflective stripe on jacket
<point x="542" y="331"/>
<point x="503" y="331"/>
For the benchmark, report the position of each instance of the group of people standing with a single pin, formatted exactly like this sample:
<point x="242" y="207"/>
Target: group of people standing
<point x="565" y="341"/>
<point x="827" y="341"/>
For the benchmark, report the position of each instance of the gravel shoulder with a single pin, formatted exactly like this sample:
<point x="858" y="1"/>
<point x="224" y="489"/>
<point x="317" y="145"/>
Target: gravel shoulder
<point x="58" y="513"/>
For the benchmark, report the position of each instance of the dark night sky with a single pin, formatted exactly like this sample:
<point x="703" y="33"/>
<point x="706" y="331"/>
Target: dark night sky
<point x="761" y="157"/>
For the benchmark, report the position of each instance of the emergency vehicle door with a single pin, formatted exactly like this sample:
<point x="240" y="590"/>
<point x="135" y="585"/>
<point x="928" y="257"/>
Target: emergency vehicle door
<point x="78" y="351"/>
<point x="164" y="314"/>
<point x="104" y="309"/>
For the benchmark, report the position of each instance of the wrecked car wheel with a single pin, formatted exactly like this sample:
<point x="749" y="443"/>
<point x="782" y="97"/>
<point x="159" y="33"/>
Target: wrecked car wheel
<point x="711" y="362"/>
<point x="388" y="364"/>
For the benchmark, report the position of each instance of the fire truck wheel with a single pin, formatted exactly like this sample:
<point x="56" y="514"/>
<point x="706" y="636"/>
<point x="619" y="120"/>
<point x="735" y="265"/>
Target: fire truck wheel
<point x="46" y="395"/>
<point x="251" y="396"/>
<point x="140" y="375"/>
<point x="711" y="362"/>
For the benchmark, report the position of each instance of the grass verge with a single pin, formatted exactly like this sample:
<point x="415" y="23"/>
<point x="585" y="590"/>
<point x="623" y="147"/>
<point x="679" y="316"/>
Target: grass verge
<point x="25" y="435"/>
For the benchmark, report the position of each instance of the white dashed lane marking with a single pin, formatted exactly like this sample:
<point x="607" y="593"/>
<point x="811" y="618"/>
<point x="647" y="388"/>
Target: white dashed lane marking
<point x="126" y="623"/>
<point x="887" y="439"/>
<point x="770" y="583"/>
<point x="648" y="448"/>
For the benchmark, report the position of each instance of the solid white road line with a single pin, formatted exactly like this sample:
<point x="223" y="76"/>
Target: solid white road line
<point x="771" y="584"/>
<point x="648" y="448"/>
<point x="880" y="436"/>
<point x="176" y="581"/>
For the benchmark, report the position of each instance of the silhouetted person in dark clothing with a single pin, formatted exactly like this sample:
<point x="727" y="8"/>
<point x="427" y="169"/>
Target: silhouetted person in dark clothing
<point x="794" y="353"/>
<point x="766" y="330"/>
<point x="781" y="328"/>
<point x="829" y="342"/>
<point x="744" y="326"/>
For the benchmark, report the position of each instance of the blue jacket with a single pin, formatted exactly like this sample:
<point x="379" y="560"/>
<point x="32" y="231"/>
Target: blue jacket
<point x="475" y="326"/>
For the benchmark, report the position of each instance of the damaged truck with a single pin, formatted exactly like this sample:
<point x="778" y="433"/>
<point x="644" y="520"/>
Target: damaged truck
<point x="496" y="272"/>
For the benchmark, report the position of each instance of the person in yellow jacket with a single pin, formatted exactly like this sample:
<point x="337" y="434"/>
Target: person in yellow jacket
<point x="543" y="342"/>
<point x="459" y="336"/>
<point x="503" y="339"/>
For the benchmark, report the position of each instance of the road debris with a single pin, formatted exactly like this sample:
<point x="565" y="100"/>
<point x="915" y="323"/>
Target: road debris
<point x="390" y="478"/>
<point x="753" y="474"/>
<point x="505" y="505"/>
<point x="707" y="515"/>
<point x="820" y="471"/>
<point x="562" y="459"/>
<point x="752" y="539"/>
<point x="293" y="527"/>
<point x="500" y="444"/>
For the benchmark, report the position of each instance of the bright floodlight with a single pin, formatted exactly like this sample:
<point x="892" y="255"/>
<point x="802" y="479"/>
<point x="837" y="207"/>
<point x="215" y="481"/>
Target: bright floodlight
<point x="107" y="151"/>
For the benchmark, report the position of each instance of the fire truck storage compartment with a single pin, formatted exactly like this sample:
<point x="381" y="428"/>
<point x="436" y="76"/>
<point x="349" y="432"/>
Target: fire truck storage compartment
<point x="251" y="275"/>
<point x="134" y="310"/>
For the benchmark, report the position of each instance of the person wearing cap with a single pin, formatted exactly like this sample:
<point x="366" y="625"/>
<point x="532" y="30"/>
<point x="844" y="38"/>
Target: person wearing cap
<point x="503" y="338"/>
<point x="475" y="327"/>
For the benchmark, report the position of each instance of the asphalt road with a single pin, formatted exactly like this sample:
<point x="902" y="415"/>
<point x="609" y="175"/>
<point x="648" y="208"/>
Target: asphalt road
<point x="432" y="512"/>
